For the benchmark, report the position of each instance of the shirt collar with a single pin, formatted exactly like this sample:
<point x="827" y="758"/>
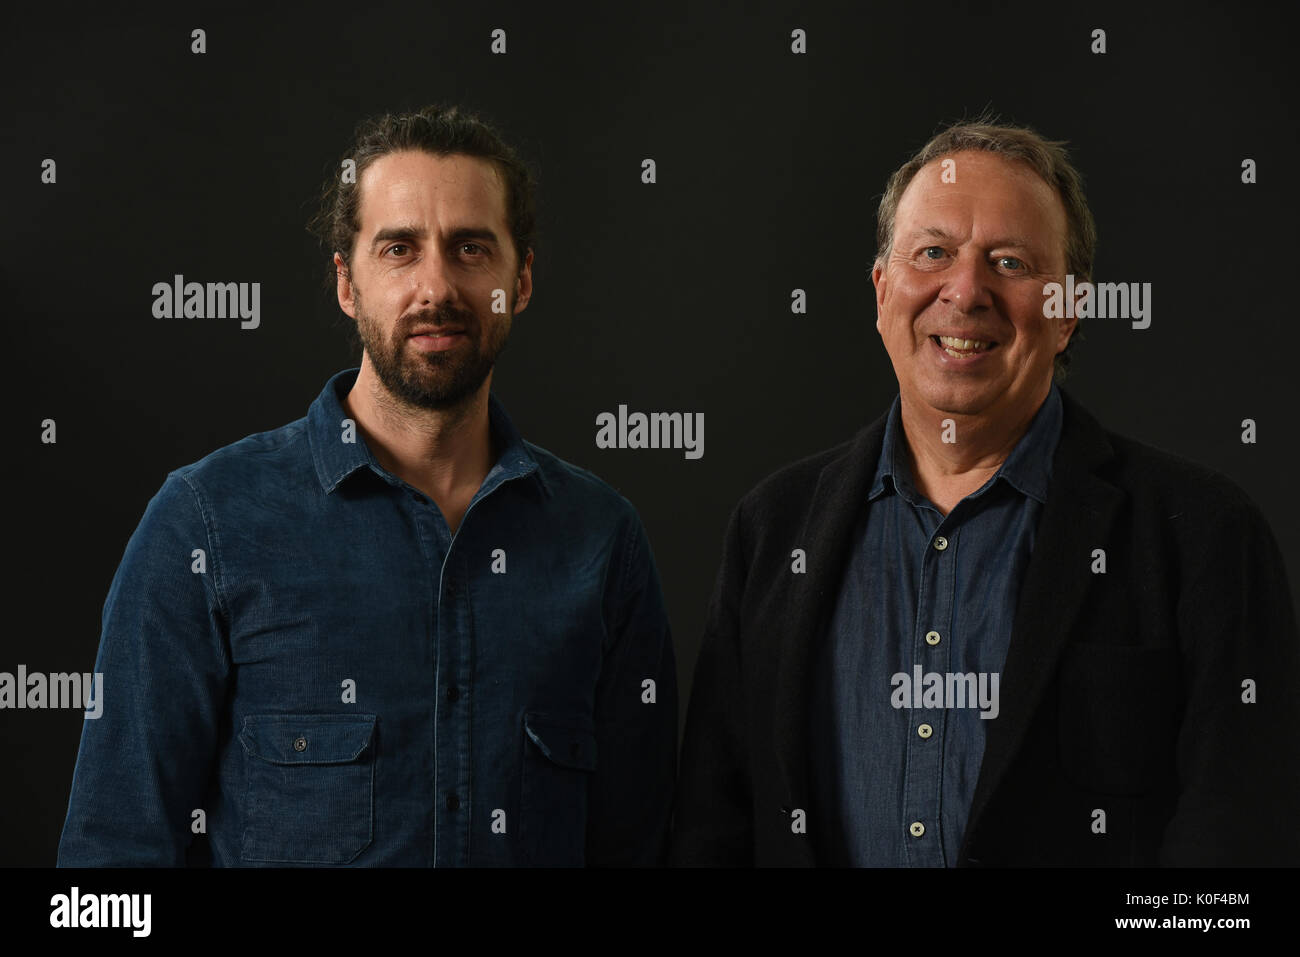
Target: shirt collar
<point x="336" y="459"/>
<point x="1028" y="468"/>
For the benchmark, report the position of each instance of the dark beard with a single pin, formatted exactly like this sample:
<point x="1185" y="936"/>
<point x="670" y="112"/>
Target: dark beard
<point x="434" y="380"/>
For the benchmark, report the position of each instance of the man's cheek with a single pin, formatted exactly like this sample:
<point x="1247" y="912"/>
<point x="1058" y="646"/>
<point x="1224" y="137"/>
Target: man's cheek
<point x="889" y="312"/>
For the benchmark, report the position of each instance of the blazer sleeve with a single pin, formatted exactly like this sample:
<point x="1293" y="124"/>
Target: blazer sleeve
<point x="713" y="819"/>
<point x="1238" y="754"/>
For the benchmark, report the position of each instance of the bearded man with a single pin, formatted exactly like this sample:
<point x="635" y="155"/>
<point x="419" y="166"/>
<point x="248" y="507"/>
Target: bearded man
<point x="392" y="632"/>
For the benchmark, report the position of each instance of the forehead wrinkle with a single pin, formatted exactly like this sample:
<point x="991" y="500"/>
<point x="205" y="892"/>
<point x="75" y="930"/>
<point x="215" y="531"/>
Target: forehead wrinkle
<point x="460" y="194"/>
<point x="988" y="227"/>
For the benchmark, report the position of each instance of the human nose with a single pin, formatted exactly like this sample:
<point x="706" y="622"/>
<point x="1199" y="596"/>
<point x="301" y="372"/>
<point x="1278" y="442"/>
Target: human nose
<point x="965" y="284"/>
<point x="435" y="282"/>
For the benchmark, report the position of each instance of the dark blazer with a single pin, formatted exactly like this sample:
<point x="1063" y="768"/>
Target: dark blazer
<point x="1122" y="691"/>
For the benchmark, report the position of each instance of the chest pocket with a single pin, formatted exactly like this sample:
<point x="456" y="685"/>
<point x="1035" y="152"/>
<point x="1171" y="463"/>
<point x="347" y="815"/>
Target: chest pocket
<point x="559" y="758"/>
<point x="309" y="795"/>
<point x="1119" y="717"/>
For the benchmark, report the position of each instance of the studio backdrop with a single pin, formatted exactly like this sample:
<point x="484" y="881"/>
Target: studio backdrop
<point x="708" y="180"/>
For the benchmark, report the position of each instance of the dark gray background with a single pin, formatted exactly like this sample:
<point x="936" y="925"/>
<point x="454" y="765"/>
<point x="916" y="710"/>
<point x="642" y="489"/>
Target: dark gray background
<point x="671" y="297"/>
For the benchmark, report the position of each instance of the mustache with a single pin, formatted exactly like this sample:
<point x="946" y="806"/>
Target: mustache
<point x="441" y="316"/>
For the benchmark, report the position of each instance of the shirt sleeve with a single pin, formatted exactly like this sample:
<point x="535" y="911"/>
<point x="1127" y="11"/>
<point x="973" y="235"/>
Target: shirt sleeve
<point x="1238" y="756"/>
<point x="145" y="762"/>
<point x="630" y="796"/>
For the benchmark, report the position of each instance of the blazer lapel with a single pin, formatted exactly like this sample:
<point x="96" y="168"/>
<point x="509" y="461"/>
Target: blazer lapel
<point x="839" y="496"/>
<point x="1079" y="512"/>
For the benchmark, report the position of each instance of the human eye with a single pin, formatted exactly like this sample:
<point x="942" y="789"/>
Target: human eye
<point x="1011" y="263"/>
<point x="396" y="246"/>
<point x="930" y="255"/>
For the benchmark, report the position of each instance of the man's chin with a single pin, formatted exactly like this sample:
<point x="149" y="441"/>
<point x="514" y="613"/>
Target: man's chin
<point x="439" y="396"/>
<point x="438" y="389"/>
<point x="959" y="398"/>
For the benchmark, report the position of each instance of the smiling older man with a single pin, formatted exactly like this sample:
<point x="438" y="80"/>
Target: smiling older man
<point x="986" y="631"/>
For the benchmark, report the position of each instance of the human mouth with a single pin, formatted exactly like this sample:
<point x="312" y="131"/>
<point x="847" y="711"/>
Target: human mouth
<point x="436" y="340"/>
<point x="963" y="348"/>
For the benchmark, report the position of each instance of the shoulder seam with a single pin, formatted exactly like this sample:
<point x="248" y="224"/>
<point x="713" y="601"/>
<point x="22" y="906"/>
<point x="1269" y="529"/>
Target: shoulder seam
<point x="214" y="545"/>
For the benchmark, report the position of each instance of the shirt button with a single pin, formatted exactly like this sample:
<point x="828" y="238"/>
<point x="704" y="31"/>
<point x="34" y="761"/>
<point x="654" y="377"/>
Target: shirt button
<point x="940" y="543"/>
<point x="916" y="829"/>
<point x="453" y="802"/>
<point x="925" y="730"/>
<point x="300" y="744"/>
<point x="453" y="693"/>
<point x="932" y="638"/>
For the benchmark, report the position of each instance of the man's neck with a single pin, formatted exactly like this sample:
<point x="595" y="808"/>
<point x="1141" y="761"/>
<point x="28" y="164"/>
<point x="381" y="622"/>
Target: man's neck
<point x="445" y="453"/>
<point x="952" y="455"/>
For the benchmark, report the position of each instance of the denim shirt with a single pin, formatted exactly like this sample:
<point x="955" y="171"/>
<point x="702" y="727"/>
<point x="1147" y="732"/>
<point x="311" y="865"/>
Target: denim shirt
<point x="303" y="666"/>
<point x="930" y="593"/>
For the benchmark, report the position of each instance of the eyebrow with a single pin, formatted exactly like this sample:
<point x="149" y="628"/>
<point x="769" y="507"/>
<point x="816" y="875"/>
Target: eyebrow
<point x="1018" y="242"/>
<point x="410" y="231"/>
<point x="474" y="232"/>
<point x="403" y="231"/>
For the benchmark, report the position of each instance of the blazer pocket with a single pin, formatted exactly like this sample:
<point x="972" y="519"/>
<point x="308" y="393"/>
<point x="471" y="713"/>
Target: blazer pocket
<point x="1118" y="716"/>
<point x="309" y="796"/>
<point x="559" y="758"/>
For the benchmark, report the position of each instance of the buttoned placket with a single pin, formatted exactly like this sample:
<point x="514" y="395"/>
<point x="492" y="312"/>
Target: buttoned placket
<point x="453" y="637"/>
<point x="923" y="780"/>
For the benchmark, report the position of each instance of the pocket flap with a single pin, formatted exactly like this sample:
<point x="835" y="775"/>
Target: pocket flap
<point x="307" y="738"/>
<point x="569" y="742"/>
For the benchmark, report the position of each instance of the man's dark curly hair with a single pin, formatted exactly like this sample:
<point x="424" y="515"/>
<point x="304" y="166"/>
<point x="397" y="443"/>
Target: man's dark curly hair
<point x="438" y="130"/>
